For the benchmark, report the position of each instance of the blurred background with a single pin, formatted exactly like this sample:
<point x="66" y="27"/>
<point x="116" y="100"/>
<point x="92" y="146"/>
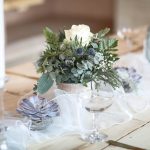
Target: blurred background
<point x="25" y="20"/>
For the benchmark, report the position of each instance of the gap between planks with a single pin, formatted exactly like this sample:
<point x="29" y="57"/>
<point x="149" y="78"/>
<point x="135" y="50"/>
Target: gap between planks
<point x="21" y="75"/>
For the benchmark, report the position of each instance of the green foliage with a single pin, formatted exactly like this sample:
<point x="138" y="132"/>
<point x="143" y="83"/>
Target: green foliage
<point x="44" y="83"/>
<point x="61" y="36"/>
<point x="52" y="39"/>
<point x="60" y="61"/>
<point x="103" y="32"/>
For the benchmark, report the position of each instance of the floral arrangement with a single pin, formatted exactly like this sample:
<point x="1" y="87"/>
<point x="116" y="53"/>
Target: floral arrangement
<point x="129" y="78"/>
<point x="77" y="56"/>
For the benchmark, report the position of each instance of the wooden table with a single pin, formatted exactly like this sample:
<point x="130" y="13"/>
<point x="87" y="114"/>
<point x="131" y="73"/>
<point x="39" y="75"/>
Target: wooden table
<point x="20" y="4"/>
<point x="135" y="132"/>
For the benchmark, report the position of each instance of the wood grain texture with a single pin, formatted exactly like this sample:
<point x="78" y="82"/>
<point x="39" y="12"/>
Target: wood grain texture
<point x="20" y="4"/>
<point x="10" y="103"/>
<point x="139" y="138"/>
<point x="73" y="142"/>
<point x="18" y="85"/>
<point x="144" y="116"/>
<point x="118" y="131"/>
<point x="27" y="70"/>
<point x="115" y="148"/>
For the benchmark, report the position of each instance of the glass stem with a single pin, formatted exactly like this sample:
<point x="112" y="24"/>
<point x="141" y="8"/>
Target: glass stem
<point x="95" y="115"/>
<point x="91" y="86"/>
<point x="92" y="95"/>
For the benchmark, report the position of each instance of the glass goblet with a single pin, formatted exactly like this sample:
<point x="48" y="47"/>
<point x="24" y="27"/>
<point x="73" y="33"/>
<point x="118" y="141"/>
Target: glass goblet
<point x="98" y="102"/>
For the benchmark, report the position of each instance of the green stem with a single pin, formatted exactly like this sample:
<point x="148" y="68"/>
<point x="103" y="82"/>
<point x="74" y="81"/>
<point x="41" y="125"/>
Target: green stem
<point x="91" y="86"/>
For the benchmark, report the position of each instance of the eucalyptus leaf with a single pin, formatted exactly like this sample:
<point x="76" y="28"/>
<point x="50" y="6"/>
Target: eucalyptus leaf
<point x="84" y="62"/>
<point x="65" y="78"/>
<point x="94" y="45"/>
<point x="96" y="61"/>
<point x="74" y="70"/>
<point x="44" y="83"/>
<point x="76" y="74"/>
<point x="80" y="66"/>
<point x="99" y="56"/>
<point x="90" y="65"/>
<point x="49" y="68"/>
<point x="79" y="71"/>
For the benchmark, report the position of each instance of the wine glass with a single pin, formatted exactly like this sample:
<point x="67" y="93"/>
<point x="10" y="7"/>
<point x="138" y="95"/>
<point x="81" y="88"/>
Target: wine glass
<point x="124" y="34"/>
<point x="99" y="101"/>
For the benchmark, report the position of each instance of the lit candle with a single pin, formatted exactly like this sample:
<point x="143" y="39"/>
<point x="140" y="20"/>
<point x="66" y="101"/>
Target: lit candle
<point x="2" y="45"/>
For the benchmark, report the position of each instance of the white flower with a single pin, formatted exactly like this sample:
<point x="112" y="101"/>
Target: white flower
<point x="81" y="31"/>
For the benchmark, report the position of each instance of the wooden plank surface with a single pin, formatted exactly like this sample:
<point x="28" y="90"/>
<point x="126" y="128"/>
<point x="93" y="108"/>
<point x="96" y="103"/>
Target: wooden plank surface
<point x="72" y="142"/>
<point x="10" y="102"/>
<point x="117" y="131"/>
<point x="139" y="138"/>
<point x="19" y="85"/>
<point x="20" y="4"/>
<point x="26" y="70"/>
<point x="144" y="116"/>
<point x="115" y="148"/>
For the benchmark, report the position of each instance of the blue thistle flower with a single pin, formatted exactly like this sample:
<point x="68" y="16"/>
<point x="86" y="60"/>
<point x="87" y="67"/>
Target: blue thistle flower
<point x="79" y="51"/>
<point x="91" y="51"/>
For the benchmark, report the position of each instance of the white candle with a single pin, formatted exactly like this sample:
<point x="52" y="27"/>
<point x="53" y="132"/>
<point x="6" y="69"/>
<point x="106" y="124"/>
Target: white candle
<point x="2" y="45"/>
